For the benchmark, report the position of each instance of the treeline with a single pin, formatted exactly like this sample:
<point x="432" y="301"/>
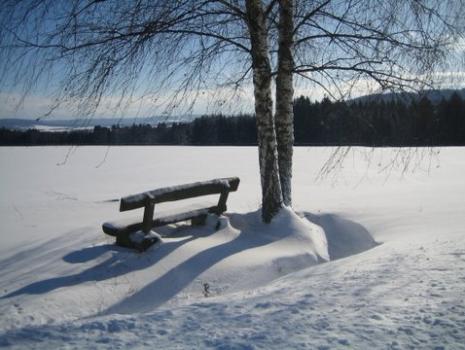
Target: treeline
<point x="371" y="123"/>
<point x="381" y="123"/>
<point x="206" y="130"/>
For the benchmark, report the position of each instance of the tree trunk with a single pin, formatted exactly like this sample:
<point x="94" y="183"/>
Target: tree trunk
<point x="284" y="98"/>
<point x="272" y="199"/>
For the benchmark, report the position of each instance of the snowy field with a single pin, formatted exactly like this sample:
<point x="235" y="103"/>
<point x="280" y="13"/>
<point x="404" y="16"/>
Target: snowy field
<point x="374" y="257"/>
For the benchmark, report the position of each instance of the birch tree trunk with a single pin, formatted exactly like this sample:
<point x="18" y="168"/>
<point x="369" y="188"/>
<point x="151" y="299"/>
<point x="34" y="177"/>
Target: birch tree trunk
<point x="272" y="199"/>
<point x="284" y="118"/>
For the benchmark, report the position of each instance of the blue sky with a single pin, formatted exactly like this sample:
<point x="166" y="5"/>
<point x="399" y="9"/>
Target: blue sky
<point x="149" y="100"/>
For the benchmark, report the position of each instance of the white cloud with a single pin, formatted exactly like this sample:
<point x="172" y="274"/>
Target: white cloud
<point x="13" y="105"/>
<point x="223" y="100"/>
<point x="361" y="87"/>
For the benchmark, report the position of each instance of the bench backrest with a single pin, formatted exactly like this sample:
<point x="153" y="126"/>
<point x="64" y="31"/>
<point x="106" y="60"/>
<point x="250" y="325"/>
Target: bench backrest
<point x="179" y="192"/>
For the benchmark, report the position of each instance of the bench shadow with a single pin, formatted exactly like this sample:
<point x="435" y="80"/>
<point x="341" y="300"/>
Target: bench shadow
<point x="121" y="262"/>
<point x="90" y="253"/>
<point x="344" y="238"/>
<point x="175" y="280"/>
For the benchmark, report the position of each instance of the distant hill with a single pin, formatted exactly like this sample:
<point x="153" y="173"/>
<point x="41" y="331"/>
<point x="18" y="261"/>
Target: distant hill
<point x="435" y="96"/>
<point x="89" y="123"/>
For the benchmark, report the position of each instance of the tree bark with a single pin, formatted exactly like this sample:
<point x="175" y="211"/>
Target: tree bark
<point x="284" y="118"/>
<point x="272" y="199"/>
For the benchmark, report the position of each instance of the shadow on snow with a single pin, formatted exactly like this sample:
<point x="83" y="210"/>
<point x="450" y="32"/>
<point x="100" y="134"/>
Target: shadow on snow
<point x="344" y="238"/>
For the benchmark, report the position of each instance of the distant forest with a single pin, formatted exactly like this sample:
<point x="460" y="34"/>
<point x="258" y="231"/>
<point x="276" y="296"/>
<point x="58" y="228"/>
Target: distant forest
<point x="417" y="122"/>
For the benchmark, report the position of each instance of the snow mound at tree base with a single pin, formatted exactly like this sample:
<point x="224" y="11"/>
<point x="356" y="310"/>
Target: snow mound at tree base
<point x="243" y="254"/>
<point x="344" y="237"/>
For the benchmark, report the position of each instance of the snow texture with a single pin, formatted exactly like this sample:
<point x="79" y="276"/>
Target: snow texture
<point x="375" y="257"/>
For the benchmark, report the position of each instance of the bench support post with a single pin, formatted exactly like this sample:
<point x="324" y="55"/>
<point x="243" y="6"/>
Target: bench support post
<point x="222" y="201"/>
<point x="199" y="220"/>
<point x="148" y="217"/>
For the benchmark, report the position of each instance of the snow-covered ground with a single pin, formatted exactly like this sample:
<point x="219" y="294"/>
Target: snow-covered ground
<point x="391" y="223"/>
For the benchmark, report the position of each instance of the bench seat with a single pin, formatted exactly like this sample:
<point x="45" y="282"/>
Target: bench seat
<point x="125" y="226"/>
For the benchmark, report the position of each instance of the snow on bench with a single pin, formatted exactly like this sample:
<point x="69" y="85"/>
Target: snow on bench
<point x="136" y="233"/>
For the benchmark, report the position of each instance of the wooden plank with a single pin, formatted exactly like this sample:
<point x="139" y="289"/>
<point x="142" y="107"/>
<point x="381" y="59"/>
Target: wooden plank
<point x="175" y="193"/>
<point x="125" y="226"/>
<point x="114" y="228"/>
<point x="182" y="216"/>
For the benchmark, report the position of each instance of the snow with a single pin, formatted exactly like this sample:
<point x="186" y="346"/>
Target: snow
<point x="374" y="257"/>
<point x="50" y="128"/>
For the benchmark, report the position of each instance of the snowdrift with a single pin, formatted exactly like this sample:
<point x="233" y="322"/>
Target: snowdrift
<point x="76" y="275"/>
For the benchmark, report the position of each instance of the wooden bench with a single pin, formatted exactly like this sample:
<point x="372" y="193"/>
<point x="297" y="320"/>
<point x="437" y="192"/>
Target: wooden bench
<point x="123" y="230"/>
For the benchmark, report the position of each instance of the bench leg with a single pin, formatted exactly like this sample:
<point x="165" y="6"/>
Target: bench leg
<point x="123" y="240"/>
<point x="199" y="220"/>
<point x="148" y="217"/>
